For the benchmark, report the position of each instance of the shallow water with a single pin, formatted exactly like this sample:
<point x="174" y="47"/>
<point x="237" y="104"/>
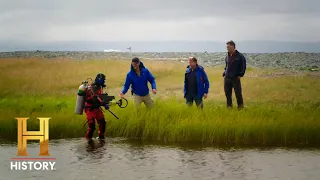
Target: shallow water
<point x="118" y="160"/>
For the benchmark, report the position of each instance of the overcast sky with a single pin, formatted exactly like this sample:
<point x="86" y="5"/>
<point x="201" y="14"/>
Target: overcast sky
<point x="152" y="20"/>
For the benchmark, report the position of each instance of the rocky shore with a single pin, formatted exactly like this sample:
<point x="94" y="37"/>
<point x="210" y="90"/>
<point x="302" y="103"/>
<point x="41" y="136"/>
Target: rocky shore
<point x="294" y="60"/>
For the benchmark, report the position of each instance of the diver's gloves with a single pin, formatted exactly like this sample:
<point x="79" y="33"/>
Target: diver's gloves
<point x="106" y="106"/>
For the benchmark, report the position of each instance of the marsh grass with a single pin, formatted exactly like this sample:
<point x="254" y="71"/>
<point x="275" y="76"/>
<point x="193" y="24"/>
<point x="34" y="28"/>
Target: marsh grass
<point x="280" y="111"/>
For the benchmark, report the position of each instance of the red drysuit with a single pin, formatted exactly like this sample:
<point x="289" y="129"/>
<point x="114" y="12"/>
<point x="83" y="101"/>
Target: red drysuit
<point x="94" y="112"/>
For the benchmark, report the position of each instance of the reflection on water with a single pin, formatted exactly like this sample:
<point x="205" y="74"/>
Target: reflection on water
<point x="113" y="159"/>
<point x="90" y="151"/>
<point x="96" y="149"/>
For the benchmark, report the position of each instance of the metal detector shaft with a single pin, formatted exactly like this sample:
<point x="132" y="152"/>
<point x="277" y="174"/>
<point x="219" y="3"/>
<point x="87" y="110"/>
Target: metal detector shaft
<point x="109" y="111"/>
<point x="113" y="114"/>
<point x="84" y="124"/>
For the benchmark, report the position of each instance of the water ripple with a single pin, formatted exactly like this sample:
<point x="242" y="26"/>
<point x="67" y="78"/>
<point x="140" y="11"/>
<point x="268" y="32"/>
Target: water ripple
<point x="115" y="160"/>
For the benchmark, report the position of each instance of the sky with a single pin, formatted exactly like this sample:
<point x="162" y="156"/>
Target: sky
<point x="39" y="21"/>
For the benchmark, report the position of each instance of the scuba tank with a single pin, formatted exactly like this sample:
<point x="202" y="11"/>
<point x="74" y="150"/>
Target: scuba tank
<point x="81" y="99"/>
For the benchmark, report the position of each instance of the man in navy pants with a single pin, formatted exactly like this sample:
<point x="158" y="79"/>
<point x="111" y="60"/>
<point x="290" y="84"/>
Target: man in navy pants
<point x="234" y="70"/>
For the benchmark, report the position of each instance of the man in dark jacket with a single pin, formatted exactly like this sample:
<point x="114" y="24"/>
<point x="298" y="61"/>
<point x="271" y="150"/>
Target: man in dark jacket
<point x="138" y="77"/>
<point x="196" y="83"/>
<point x="234" y="70"/>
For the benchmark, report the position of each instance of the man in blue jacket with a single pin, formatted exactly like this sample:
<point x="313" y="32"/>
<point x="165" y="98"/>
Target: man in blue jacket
<point x="234" y="70"/>
<point x="138" y="77"/>
<point x="196" y="83"/>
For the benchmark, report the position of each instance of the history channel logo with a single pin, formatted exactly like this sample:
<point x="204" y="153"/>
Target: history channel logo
<point x="28" y="163"/>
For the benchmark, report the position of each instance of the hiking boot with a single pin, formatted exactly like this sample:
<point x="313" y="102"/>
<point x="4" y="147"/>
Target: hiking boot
<point x="101" y="137"/>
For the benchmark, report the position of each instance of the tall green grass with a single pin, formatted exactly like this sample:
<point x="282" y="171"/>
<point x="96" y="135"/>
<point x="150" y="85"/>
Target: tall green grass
<point x="280" y="111"/>
<point x="172" y="121"/>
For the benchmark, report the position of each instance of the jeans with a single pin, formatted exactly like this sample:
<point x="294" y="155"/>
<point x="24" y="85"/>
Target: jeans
<point x="235" y="83"/>
<point x="194" y="98"/>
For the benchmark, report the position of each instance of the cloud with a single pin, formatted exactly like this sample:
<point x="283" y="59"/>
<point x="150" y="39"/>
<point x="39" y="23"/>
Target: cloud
<point x="102" y="20"/>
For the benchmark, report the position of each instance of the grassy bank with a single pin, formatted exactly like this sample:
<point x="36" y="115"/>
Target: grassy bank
<point x="282" y="108"/>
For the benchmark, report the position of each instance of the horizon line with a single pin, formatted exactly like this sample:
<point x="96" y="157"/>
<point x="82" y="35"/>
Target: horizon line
<point x="102" y="51"/>
<point x="219" y="41"/>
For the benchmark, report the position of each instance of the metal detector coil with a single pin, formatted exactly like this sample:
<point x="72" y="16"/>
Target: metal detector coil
<point x="120" y="103"/>
<point x="106" y="99"/>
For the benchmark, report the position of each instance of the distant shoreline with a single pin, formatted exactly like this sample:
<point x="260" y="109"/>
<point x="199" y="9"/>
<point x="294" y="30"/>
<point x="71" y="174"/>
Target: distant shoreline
<point x="136" y="52"/>
<point x="289" y="60"/>
<point x="194" y="46"/>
